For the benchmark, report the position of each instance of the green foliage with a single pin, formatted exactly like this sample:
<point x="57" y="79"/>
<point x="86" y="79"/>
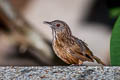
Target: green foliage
<point x="115" y="44"/>
<point x="114" y="12"/>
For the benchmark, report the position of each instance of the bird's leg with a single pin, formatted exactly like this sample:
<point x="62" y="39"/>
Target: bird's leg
<point x="80" y="63"/>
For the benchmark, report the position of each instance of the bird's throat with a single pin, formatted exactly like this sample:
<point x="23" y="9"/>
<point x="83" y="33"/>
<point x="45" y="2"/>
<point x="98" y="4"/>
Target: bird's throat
<point x="62" y="36"/>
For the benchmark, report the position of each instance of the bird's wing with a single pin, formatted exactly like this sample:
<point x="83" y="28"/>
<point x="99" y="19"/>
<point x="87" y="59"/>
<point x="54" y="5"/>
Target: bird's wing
<point x="80" y="50"/>
<point x="83" y="45"/>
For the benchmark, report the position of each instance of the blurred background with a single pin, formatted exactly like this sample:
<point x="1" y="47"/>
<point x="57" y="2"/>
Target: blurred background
<point x="25" y="40"/>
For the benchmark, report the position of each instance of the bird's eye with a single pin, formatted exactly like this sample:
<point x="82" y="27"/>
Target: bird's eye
<point x="58" y="25"/>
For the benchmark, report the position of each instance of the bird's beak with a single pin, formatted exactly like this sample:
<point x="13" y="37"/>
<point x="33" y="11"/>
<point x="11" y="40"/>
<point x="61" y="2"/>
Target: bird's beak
<point x="46" y="22"/>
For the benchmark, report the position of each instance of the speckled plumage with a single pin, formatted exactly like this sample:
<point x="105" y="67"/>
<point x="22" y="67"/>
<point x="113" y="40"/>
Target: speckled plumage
<point x="69" y="48"/>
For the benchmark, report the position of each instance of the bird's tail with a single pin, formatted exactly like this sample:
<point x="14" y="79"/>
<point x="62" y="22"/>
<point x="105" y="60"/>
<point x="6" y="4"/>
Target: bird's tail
<point x="98" y="60"/>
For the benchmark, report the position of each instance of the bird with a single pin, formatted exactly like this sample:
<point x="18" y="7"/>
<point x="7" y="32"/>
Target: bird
<point x="69" y="48"/>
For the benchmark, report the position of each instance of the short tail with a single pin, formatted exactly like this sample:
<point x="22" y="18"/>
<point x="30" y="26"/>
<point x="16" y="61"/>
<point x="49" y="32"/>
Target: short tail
<point x="98" y="60"/>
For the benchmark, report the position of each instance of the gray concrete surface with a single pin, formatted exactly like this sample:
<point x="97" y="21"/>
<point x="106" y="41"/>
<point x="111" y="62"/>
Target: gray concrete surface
<point x="60" y="73"/>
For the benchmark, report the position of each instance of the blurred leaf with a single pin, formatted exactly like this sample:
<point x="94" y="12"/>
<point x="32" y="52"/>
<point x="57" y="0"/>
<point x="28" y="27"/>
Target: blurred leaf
<point x="115" y="12"/>
<point x="115" y="44"/>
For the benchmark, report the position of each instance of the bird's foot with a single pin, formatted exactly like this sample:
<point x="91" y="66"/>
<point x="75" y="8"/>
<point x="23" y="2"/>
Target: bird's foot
<point x="76" y="65"/>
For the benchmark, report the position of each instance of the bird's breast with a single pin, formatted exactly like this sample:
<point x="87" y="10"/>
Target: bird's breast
<point x="62" y="52"/>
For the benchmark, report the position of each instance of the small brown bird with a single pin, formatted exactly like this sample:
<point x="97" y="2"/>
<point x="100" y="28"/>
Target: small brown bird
<point x="69" y="48"/>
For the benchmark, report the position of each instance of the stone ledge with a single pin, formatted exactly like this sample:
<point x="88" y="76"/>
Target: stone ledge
<point x="60" y="73"/>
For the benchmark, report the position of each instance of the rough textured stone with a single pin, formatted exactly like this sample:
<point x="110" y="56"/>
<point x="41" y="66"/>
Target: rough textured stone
<point x="60" y="73"/>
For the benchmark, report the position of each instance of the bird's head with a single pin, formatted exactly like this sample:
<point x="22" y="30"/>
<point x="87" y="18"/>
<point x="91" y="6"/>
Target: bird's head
<point x="57" y="25"/>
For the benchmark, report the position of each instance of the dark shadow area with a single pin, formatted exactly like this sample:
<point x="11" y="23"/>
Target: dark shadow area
<point x="99" y="12"/>
<point x="3" y="27"/>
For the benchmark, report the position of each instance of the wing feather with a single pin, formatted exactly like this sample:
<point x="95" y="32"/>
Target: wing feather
<point x="80" y="50"/>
